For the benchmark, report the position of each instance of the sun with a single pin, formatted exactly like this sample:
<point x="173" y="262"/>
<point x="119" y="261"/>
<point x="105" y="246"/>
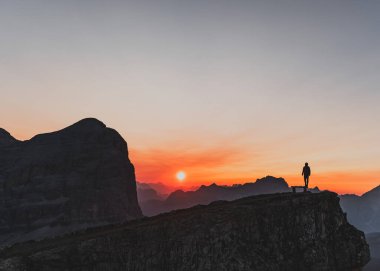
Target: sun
<point x="181" y="176"/>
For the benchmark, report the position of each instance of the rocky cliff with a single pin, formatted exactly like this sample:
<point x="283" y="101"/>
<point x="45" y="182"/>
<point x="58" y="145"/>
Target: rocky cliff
<point x="269" y="232"/>
<point x="74" y="178"/>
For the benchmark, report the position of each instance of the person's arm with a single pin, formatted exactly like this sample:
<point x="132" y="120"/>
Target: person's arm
<point x="303" y="171"/>
<point x="310" y="172"/>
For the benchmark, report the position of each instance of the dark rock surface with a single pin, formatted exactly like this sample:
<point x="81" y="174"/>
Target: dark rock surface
<point x="74" y="178"/>
<point x="278" y="232"/>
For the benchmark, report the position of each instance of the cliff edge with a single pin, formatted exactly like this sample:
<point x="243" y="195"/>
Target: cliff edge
<point x="286" y="231"/>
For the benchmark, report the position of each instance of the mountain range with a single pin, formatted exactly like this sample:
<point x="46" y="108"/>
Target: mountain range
<point x="206" y="194"/>
<point x="363" y="211"/>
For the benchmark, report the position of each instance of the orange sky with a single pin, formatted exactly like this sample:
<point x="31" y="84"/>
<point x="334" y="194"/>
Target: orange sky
<point x="228" y="166"/>
<point x="232" y="160"/>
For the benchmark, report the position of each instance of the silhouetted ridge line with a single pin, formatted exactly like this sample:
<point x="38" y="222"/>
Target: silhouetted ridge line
<point x="363" y="211"/>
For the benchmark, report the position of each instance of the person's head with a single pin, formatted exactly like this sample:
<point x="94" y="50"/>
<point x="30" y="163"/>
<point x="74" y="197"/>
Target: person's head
<point x="306" y="164"/>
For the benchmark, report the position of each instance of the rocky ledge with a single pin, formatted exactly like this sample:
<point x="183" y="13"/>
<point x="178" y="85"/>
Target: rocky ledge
<point x="281" y="232"/>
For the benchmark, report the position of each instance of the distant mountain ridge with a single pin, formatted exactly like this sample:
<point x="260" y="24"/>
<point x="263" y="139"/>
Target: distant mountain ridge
<point x="363" y="211"/>
<point x="207" y="194"/>
<point x="66" y="180"/>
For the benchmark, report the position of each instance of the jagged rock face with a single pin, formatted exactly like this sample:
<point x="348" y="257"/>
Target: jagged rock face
<point x="74" y="178"/>
<point x="277" y="232"/>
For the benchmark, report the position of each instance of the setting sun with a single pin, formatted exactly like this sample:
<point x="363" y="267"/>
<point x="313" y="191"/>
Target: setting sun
<point x="181" y="176"/>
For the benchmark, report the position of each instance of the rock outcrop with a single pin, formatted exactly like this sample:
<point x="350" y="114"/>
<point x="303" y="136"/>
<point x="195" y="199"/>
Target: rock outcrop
<point x="277" y="232"/>
<point x="58" y="182"/>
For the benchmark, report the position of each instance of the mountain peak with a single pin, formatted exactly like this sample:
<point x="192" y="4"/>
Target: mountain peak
<point x="83" y="127"/>
<point x="88" y="123"/>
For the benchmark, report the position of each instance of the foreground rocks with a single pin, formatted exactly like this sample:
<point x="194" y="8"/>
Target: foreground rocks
<point x="270" y="232"/>
<point x="59" y="182"/>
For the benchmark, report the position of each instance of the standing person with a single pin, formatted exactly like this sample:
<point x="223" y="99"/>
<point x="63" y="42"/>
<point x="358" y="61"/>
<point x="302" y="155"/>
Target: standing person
<point x="306" y="172"/>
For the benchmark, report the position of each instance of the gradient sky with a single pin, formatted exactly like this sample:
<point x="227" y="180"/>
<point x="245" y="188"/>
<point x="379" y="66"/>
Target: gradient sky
<point x="228" y="91"/>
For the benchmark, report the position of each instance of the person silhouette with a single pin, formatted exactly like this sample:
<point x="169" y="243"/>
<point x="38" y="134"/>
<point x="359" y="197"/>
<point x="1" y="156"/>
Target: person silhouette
<point x="306" y="172"/>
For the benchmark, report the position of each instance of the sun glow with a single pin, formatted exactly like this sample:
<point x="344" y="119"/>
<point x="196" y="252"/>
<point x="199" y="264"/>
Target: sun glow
<point x="181" y="176"/>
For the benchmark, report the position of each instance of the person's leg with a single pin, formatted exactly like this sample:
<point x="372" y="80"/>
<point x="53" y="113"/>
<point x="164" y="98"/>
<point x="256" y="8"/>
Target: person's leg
<point x="307" y="182"/>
